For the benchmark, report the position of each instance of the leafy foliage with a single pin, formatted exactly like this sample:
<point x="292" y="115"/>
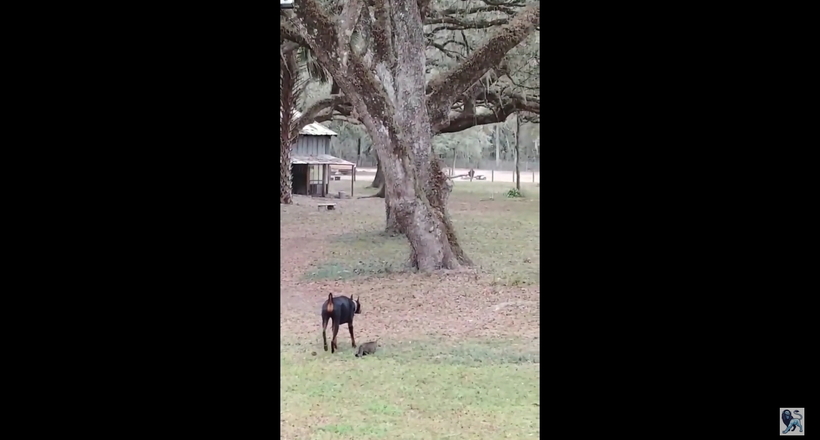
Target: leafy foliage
<point x="514" y="193"/>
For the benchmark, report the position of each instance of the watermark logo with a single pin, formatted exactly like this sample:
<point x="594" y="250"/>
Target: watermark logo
<point x="791" y="421"/>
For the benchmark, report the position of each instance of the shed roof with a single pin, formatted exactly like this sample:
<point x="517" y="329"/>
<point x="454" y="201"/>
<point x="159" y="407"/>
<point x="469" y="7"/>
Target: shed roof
<point x="314" y="128"/>
<point x="322" y="159"/>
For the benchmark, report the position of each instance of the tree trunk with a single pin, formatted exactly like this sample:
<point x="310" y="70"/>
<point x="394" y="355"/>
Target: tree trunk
<point x="378" y="181"/>
<point x="288" y="95"/>
<point x="392" y="227"/>
<point x="438" y="190"/>
<point x="419" y="212"/>
<point x="285" y="176"/>
<point x="517" y="161"/>
<point x="416" y="185"/>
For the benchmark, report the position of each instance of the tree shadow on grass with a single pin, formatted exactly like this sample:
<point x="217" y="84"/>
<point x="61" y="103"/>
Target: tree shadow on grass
<point x="361" y="254"/>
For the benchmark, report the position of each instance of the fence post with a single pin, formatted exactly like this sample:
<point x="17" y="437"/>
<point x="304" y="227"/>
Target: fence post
<point x="492" y="175"/>
<point x="533" y="176"/>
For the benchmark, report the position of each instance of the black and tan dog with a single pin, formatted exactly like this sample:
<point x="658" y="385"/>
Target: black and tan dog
<point x="340" y="310"/>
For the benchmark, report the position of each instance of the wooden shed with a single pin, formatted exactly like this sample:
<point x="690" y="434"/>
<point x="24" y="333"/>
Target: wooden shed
<point x="310" y="161"/>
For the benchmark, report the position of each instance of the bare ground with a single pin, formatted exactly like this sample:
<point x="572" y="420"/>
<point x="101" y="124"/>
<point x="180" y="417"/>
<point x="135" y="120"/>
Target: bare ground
<point x="396" y="306"/>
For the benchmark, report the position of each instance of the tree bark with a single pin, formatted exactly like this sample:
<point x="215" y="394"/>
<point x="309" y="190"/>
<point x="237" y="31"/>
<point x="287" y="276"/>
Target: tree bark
<point x="438" y="191"/>
<point x="420" y="214"/>
<point x="428" y="227"/>
<point x="285" y="176"/>
<point x="392" y="227"/>
<point x="288" y="94"/>
<point x="378" y="181"/>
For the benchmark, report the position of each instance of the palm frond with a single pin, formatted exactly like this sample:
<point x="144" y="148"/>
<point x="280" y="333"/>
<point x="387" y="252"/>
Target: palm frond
<point x="310" y="65"/>
<point x="291" y="89"/>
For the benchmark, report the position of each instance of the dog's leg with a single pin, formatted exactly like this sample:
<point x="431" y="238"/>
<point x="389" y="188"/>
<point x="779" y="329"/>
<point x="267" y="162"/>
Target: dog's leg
<point x="333" y="346"/>
<point x="324" y="331"/>
<point x="350" y="327"/>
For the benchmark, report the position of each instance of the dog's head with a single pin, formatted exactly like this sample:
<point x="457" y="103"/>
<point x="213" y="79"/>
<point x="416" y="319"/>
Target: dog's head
<point x="357" y="304"/>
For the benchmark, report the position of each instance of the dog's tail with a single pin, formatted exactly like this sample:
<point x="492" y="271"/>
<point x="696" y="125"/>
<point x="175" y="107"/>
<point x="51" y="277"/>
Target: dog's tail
<point x="329" y="306"/>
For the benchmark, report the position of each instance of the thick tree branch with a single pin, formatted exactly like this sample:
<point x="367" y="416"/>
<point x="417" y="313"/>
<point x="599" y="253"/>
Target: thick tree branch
<point x="507" y="3"/>
<point x="347" y="21"/>
<point x="424" y="8"/>
<point x="309" y="17"/>
<point x="492" y="113"/>
<point x="367" y="96"/>
<point x="461" y="27"/>
<point x="364" y="31"/>
<point x="288" y="33"/>
<point x="310" y="115"/>
<point x="467" y="24"/>
<point x="383" y="33"/>
<point x="450" y="53"/>
<point x="511" y="104"/>
<point x="288" y="47"/>
<point x="324" y="117"/>
<point x="444" y="87"/>
<point x="470" y="10"/>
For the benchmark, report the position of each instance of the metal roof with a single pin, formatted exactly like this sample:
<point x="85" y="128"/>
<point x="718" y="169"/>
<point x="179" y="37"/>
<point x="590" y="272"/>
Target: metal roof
<point x="314" y="128"/>
<point x="322" y="159"/>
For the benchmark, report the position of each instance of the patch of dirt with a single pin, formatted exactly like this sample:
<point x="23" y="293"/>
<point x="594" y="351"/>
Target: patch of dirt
<point x="398" y="307"/>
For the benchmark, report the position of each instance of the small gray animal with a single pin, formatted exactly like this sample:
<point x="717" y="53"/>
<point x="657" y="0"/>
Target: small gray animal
<point x="367" y="348"/>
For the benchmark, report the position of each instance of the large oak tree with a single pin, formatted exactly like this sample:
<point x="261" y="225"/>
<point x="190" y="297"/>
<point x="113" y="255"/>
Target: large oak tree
<point x="384" y="83"/>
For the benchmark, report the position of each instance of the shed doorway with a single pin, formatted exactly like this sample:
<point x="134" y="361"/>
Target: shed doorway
<point x="300" y="179"/>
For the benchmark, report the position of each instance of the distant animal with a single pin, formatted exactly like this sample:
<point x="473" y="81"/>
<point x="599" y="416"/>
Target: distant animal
<point x="339" y="310"/>
<point x="367" y="348"/>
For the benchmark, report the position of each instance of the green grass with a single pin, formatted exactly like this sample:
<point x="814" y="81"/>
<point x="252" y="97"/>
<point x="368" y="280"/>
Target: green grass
<point x="484" y="189"/>
<point x="434" y="388"/>
<point x="422" y="390"/>
<point x="500" y="235"/>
